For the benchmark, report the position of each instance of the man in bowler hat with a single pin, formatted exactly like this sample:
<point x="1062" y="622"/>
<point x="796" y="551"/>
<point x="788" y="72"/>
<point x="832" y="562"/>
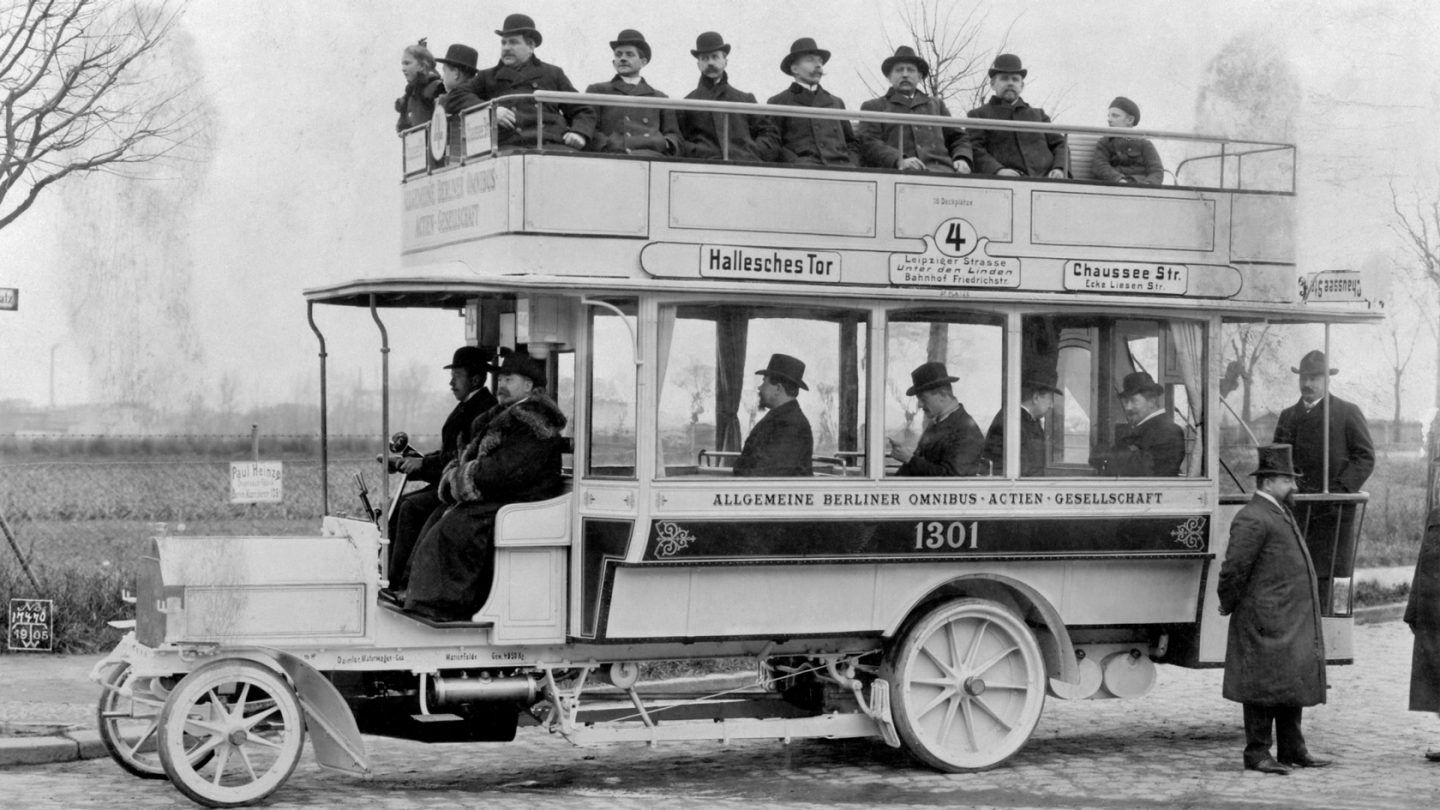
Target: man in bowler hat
<point x="813" y="141"/>
<point x="1149" y="444"/>
<point x="639" y="131"/>
<point x="1275" y="652"/>
<point x="781" y="443"/>
<point x="952" y="444"/>
<point x="1329" y="527"/>
<point x="753" y="138"/>
<point x="561" y="126"/>
<point x="1010" y="153"/>
<point x="911" y="148"/>
<point x="1037" y="397"/>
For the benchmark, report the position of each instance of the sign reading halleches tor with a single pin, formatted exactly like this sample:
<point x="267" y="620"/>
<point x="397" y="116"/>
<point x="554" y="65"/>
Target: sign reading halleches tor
<point x="769" y="264"/>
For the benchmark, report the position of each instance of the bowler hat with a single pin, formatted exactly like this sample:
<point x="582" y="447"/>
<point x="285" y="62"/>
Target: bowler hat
<point x="461" y="56"/>
<point x="786" y="368"/>
<point x="803" y="46"/>
<point x="1275" y="460"/>
<point x="1008" y="63"/>
<point x="632" y="37"/>
<point x="1127" y="106"/>
<point x="1140" y="382"/>
<point x="708" y="42"/>
<point x="1042" y="380"/>
<point x="927" y="376"/>
<point x="906" y="54"/>
<point x="471" y="358"/>
<point x="519" y="24"/>
<point x="1313" y="363"/>
<point x="522" y="364"/>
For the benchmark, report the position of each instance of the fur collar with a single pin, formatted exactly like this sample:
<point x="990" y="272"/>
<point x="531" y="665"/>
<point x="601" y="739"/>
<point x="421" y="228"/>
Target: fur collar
<point x="536" y="414"/>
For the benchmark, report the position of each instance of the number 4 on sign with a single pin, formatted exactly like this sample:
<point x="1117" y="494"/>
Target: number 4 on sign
<point x="956" y="237"/>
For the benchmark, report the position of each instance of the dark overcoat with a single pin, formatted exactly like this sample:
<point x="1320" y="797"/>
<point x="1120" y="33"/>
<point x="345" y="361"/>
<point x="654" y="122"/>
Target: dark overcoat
<point x="454" y="435"/>
<point x="559" y="119"/>
<point x="1032" y="444"/>
<point x="1154" y="448"/>
<point x="1275" y="654"/>
<point x="753" y="138"/>
<point x="951" y="447"/>
<point x="633" y="130"/>
<point x="779" y="445"/>
<point x="937" y="148"/>
<point x="1029" y="153"/>
<point x="1423" y="616"/>
<point x="821" y="141"/>
<point x="1352" y="454"/>
<point x="1127" y="160"/>
<point x="418" y="103"/>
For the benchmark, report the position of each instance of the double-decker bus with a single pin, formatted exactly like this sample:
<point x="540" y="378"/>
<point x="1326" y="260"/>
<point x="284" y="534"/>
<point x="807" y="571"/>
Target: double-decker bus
<point x="934" y="613"/>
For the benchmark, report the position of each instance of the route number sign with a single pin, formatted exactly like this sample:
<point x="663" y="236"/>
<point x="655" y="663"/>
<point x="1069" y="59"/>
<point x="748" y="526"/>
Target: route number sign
<point x="32" y="625"/>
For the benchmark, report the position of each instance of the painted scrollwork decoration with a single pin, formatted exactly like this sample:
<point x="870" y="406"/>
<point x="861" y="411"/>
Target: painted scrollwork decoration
<point x="1191" y="533"/>
<point x="671" y="539"/>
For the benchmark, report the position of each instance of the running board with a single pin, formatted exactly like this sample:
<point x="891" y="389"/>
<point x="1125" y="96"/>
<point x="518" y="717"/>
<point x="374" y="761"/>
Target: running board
<point x="828" y="726"/>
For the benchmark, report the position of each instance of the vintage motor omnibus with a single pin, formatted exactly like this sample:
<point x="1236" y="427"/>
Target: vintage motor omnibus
<point x="933" y="613"/>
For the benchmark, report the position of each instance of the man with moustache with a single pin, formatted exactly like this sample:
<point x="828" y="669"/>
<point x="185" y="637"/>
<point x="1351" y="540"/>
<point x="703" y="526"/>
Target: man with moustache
<point x="1275" y="652"/>
<point x="752" y="138"/>
<point x="643" y="132"/>
<point x="781" y="443"/>
<point x="1010" y="153"/>
<point x="952" y="444"/>
<point x="1037" y="396"/>
<point x="1149" y="445"/>
<point x="563" y="127"/>
<point x="813" y="141"/>
<point x="514" y="456"/>
<point x="911" y="148"/>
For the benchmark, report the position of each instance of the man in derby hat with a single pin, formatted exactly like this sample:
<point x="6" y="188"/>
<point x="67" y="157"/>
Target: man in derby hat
<point x="952" y="444"/>
<point x="1037" y="396"/>
<point x="1120" y="159"/>
<point x="457" y="71"/>
<point x="1150" y="444"/>
<point x="814" y="141"/>
<point x="911" y="148"/>
<point x="781" y="443"/>
<point x="1329" y="527"/>
<point x="468" y="370"/>
<point x="1015" y="154"/>
<point x="520" y="72"/>
<point x="514" y="455"/>
<point x="1275" y="652"/>
<point x="644" y="132"/>
<point x="753" y="138"/>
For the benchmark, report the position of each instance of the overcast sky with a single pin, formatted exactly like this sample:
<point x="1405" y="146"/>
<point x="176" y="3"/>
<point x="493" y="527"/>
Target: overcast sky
<point x="303" y="188"/>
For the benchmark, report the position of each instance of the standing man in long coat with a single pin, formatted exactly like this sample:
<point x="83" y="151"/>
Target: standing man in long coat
<point x="911" y="148"/>
<point x="1423" y="616"/>
<point x="753" y="138"/>
<point x="813" y="141"/>
<point x="1275" y="655"/>
<point x="781" y="443"/>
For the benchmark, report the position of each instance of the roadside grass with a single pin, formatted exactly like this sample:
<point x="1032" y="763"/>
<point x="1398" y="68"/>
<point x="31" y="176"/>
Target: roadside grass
<point x="85" y="599"/>
<point x="1371" y="594"/>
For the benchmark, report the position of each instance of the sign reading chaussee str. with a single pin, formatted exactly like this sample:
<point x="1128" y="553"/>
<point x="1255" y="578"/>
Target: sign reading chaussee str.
<point x="9" y="298"/>
<point x="256" y="481"/>
<point x="769" y="264"/>
<point x="1126" y="277"/>
<point x="32" y="625"/>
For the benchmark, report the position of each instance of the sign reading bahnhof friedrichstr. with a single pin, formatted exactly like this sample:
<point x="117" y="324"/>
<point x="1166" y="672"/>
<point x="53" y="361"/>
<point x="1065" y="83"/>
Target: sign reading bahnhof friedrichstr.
<point x="32" y="625"/>
<point x="257" y="481"/>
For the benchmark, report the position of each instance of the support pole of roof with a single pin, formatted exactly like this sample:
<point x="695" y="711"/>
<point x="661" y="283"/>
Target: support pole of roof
<point x="1325" y="420"/>
<point x="384" y="415"/>
<point x="324" y="416"/>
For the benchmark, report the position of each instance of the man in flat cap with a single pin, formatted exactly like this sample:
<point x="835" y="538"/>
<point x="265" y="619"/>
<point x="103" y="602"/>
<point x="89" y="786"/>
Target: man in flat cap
<point x="1121" y="159"/>
<point x="752" y="138"/>
<point x="644" y="132"/>
<point x="813" y="141"/>
<point x="781" y="443"/>
<point x="1009" y="153"/>
<point x="1150" y="444"/>
<point x="1037" y="396"/>
<point x="911" y="148"/>
<point x="952" y="444"/>
<point x="564" y="126"/>
<point x="1329" y="527"/>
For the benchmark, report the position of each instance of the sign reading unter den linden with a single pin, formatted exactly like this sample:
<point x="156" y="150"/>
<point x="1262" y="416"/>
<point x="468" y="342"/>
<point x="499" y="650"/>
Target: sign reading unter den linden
<point x="769" y="264"/>
<point x="1125" y="277"/>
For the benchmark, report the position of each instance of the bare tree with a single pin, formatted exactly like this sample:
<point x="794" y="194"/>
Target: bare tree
<point x="1397" y="344"/>
<point x="953" y="45"/>
<point x="1418" y="225"/>
<point x="1249" y="344"/>
<point x="1250" y="90"/>
<point x="81" y="92"/>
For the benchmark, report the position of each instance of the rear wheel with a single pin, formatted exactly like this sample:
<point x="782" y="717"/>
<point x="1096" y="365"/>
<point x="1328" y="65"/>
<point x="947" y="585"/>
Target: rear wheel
<point x="128" y="717"/>
<point x="967" y="685"/>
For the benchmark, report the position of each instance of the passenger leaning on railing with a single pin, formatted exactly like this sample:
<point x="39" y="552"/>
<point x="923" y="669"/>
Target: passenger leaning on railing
<point x="753" y="138"/>
<point x="1119" y="159"/>
<point x="815" y="141"/>
<point x="457" y="69"/>
<point x="565" y="126"/>
<point x="911" y="148"/>
<point x="422" y="87"/>
<point x="1015" y="154"/>
<point x="633" y="130"/>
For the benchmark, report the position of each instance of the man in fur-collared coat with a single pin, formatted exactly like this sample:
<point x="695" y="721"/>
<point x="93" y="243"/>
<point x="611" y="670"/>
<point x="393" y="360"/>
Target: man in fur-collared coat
<point x="952" y="445"/>
<point x="514" y="457"/>
<point x="565" y="126"/>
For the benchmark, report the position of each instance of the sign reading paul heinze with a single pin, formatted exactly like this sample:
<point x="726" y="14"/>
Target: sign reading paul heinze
<point x="32" y="625"/>
<point x="9" y="298"/>
<point x="256" y="481"/>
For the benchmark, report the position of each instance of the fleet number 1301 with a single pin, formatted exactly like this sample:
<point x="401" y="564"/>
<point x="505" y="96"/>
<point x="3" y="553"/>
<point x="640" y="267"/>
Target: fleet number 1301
<point x="936" y="535"/>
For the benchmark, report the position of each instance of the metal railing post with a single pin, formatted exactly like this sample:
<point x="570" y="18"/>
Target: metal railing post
<point x="384" y="418"/>
<point x="324" y="414"/>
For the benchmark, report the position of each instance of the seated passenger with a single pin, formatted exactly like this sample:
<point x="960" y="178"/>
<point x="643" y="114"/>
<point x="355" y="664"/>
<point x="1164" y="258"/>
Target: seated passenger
<point x="565" y="126"/>
<point x="753" y="138"/>
<point x="457" y="70"/>
<point x="633" y="130"/>
<point x="820" y="141"/>
<point x="952" y="443"/>
<point x="513" y="457"/>
<point x="925" y="149"/>
<point x="1119" y="159"/>
<point x="1150" y="444"/>
<point x="780" y="444"/>
<point x="1010" y="153"/>
<point x="422" y="87"/>
<point x="1037" y="397"/>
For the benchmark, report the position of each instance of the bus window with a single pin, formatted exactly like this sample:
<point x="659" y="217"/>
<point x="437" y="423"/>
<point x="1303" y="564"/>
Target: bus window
<point x="971" y="349"/>
<point x="1132" y="396"/>
<point x="708" y="400"/>
<point x="611" y="424"/>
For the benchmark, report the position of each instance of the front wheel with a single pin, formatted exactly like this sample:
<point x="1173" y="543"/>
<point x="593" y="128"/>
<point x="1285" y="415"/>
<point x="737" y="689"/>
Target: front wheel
<point x="967" y="685"/>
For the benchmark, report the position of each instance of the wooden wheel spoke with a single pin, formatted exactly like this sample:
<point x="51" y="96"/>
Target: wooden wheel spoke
<point x="237" y="711"/>
<point x="969" y="724"/>
<point x="221" y="760"/>
<point x="254" y="720"/>
<point x="994" y="659"/>
<point x="149" y="731"/>
<point x="975" y="642"/>
<point x="943" y="683"/>
<point x="991" y="686"/>
<point x="985" y="707"/>
<point x="949" y="720"/>
<point x="201" y="728"/>
<point x="944" y="695"/>
<point x="263" y="741"/>
<point x="244" y="757"/>
<point x="944" y="667"/>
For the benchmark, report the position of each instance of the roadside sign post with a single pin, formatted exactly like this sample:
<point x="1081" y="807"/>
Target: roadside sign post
<point x="32" y="625"/>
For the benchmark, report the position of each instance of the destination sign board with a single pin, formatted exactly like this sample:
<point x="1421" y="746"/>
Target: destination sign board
<point x="769" y="264"/>
<point x="1332" y="285"/>
<point x="9" y="298"/>
<point x="1127" y="277"/>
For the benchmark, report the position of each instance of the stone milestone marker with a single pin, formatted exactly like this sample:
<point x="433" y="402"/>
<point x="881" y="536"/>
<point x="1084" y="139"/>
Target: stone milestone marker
<point x="32" y="625"/>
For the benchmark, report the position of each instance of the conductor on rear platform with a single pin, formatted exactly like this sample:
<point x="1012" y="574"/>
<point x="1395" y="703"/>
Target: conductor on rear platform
<point x="781" y="443"/>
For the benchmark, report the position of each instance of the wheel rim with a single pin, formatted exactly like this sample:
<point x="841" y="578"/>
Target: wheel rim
<point x="968" y="685"/>
<point x="128" y="717"/>
<point x="231" y="733"/>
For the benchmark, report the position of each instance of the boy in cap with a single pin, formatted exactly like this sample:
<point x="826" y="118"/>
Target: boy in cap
<point x="925" y="149"/>
<point x="563" y="126"/>
<point x="753" y="138"/>
<point x="1119" y="159"/>
<point x="638" y="131"/>
<point x="1015" y="154"/>
<point x="818" y="141"/>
